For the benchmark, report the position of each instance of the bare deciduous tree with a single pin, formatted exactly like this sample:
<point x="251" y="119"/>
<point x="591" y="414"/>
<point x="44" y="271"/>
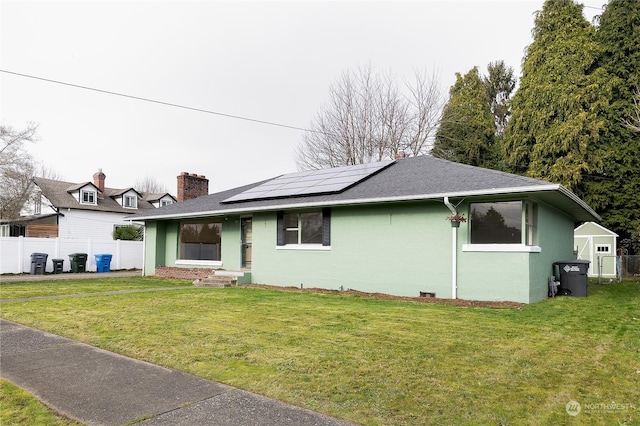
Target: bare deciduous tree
<point x="633" y="122"/>
<point x="369" y="118"/>
<point x="16" y="169"/>
<point x="150" y="185"/>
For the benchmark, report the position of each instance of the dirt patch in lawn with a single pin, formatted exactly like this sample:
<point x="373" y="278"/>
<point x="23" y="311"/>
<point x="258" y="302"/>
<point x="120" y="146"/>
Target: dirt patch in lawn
<point x="382" y="296"/>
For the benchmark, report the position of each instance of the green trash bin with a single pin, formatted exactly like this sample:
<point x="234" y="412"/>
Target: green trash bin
<point x="57" y="265"/>
<point x="78" y="262"/>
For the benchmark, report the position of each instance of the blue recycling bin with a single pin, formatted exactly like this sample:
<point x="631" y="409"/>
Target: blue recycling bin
<point x="103" y="262"/>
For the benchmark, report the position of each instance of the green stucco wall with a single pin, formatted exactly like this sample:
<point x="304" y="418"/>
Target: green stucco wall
<point x="400" y="249"/>
<point x="555" y="236"/>
<point x="387" y="248"/>
<point x="515" y="276"/>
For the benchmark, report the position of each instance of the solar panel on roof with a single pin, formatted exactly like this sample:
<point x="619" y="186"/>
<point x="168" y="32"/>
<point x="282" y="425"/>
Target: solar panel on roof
<point x="325" y="181"/>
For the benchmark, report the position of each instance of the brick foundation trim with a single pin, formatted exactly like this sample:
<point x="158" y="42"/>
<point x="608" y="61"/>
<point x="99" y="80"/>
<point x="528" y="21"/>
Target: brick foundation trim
<point x="183" y="273"/>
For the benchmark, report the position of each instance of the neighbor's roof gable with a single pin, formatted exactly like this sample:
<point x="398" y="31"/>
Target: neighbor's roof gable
<point x="118" y="192"/>
<point x="61" y="196"/>
<point x="416" y="178"/>
<point x="593" y="229"/>
<point x="158" y="197"/>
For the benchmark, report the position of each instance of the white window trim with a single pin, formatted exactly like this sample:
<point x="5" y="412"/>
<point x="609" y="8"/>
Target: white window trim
<point x="318" y="247"/>
<point x="198" y="262"/>
<point x="86" y="191"/>
<point x="503" y="248"/>
<point x="135" y="201"/>
<point x="607" y="246"/>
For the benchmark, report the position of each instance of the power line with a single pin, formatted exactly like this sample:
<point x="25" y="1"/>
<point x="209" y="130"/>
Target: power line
<point x="139" y="98"/>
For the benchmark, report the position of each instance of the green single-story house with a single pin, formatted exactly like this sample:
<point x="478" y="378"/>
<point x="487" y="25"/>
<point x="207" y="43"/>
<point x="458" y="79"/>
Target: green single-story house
<point x="381" y="227"/>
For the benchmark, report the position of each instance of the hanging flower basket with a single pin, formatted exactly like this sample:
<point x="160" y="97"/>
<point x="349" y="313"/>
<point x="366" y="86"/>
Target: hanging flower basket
<point x="456" y="219"/>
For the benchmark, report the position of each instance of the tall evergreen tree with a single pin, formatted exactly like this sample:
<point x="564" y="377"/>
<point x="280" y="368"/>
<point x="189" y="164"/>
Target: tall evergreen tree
<point x="557" y="112"/>
<point x="467" y="127"/>
<point x="499" y="83"/>
<point x="614" y="190"/>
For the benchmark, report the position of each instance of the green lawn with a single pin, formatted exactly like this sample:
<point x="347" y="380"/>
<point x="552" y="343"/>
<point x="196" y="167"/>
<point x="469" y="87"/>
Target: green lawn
<point x="18" y="407"/>
<point x="18" y="289"/>
<point x="380" y="362"/>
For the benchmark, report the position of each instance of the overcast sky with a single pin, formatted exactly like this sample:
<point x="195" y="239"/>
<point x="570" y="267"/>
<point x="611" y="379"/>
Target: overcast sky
<point x="269" y="61"/>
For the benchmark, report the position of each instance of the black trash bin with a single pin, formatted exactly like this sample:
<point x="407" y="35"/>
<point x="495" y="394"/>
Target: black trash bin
<point x="38" y="263"/>
<point x="58" y="265"/>
<point x="103" y="262"/>
<point x="78" y="262"/>
<point x="572" y="275"/>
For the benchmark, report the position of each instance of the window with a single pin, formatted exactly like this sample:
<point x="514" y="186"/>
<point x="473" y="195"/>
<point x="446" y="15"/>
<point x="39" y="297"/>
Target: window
<point x="304" y="228"/>
<point x="603" y="248"/>
<point x="200" y="241"/>
<point x="508" y="222"/>
<point x="37" y="207"/>
<point x="165" y="202"/>
<point x="87" y="197"/>
<point x="530" y="224"/>
<point x="130" y="201"/>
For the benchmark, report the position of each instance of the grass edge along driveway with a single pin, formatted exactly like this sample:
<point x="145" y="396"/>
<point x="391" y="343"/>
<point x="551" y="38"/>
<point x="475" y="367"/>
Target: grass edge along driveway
<point x="380" y="361"/>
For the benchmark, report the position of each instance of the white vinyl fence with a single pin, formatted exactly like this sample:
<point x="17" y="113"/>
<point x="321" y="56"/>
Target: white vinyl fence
<point x="15" y="253"/>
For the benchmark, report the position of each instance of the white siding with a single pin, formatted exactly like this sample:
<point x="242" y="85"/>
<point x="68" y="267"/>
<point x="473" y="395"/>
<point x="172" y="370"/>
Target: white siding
<point x="89" y="224"/>
<point x="15" y="252"/>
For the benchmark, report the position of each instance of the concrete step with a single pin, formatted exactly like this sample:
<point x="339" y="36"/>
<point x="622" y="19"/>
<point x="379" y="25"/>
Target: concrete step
<point x="217" y="281"/>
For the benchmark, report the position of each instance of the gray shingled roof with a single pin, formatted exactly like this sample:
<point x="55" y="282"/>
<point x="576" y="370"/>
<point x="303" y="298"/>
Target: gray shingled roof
<point x="60" y="194"/>
<point x="410" y="179"/>
<point x="155" y="197"/>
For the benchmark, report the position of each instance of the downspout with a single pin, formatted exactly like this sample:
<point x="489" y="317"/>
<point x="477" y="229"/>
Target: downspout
<point x="454" y="252"/>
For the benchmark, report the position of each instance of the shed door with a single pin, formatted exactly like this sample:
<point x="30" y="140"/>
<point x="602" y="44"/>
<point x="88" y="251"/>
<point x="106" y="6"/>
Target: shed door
<point x="245" y="225"/>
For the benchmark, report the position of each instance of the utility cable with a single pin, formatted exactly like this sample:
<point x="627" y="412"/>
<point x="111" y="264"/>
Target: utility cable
<point x="139" y="98"/>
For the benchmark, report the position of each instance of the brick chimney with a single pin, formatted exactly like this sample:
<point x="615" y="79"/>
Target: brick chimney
<point x="98" y="180"/>
<point x="400" y="155"/>
<point x="191" y="185"/>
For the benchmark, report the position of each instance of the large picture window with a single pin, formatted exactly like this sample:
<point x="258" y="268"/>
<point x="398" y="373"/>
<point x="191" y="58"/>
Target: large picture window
<point x="200" y="241"/>
<point x="304" y="228"/>
<point x="506" y="222"/>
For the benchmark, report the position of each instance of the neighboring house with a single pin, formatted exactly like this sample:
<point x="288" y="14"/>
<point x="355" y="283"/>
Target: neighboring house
<point x="597" y="244"/>
<point x="378" y="227"/>
<point x="79" y="210"/>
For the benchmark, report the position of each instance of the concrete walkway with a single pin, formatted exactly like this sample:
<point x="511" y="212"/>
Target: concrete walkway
<point x="98" y="387"/>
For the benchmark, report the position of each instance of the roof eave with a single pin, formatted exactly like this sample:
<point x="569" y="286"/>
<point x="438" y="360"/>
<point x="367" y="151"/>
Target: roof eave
<point x="579" y="202"/>
<point x="377" y="200"/>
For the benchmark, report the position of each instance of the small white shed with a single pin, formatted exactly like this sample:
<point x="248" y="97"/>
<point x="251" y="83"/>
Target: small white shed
<point x="597" y="244"/>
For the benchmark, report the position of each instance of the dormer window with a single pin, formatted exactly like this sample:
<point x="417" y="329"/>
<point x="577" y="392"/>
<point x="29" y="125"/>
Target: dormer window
<point x="87" y="196"/>
<point x="130" y="202"/>
<point x="166" y="202"/>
